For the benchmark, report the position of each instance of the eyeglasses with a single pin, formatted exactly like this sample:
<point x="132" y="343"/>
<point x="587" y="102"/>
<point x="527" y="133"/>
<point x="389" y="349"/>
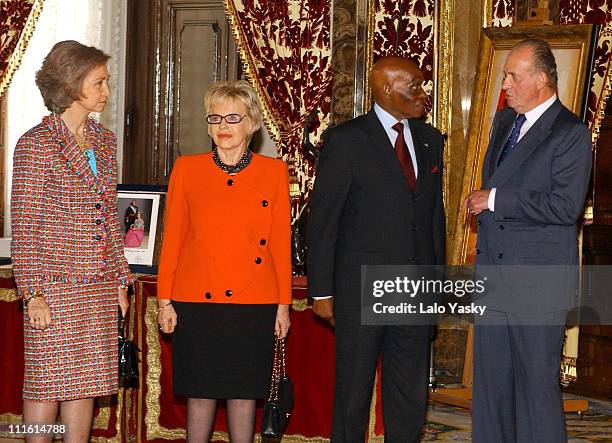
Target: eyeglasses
<point x="232" y="119"/>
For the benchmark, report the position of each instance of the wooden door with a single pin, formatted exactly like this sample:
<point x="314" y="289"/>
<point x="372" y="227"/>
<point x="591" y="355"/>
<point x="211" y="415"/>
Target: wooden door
<point x="176" y="49"/>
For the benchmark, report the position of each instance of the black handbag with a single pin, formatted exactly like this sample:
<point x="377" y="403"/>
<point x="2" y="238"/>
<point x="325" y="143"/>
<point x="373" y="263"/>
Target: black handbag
<point x="128" y="358"/>
<point x="277" y="409"/>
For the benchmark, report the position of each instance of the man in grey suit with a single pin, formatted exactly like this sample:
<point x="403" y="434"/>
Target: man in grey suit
<point x="534" y="180"/>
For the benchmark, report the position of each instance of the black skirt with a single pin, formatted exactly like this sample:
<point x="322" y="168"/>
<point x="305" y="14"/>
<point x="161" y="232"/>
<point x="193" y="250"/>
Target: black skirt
<point x="223" y="350"/>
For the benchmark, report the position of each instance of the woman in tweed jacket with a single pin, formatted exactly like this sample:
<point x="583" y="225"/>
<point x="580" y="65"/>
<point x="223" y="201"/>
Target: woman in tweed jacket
<point x="67" y="248"/>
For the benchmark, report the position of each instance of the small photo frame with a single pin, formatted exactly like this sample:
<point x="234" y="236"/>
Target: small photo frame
<point x="141" y="209"/>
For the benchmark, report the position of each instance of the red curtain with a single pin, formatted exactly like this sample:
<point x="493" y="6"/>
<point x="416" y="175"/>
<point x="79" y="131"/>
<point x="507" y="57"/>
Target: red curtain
<point x="406" y="29"/>
<point x="11" y="349"/>
<point x="17" y="19"/>
<point x="504" y="12"/>
<point x="285" y="48"/>
<point x="595" y="12"/>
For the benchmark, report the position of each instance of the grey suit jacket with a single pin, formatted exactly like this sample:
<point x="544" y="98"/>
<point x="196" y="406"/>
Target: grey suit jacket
<point x="541" y="186"/>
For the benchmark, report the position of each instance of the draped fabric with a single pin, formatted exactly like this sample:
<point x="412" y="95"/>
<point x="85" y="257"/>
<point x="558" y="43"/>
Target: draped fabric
<point x="584" y="11"/>
<point x="504" y="13"/>
<point x="285" y="48"/>
<point x="18" y="18"/>
<point x="596" y="12"/>
<point x="406" y="29"/>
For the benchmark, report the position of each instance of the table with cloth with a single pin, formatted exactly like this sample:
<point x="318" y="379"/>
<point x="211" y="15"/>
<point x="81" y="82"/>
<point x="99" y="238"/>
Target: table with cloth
<point x="151" y="413"/>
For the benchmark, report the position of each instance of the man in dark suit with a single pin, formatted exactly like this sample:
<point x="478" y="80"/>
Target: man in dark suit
<point x="130" y="215"/>
<point x="377" y="200"/>
<point x="534" y="180"/>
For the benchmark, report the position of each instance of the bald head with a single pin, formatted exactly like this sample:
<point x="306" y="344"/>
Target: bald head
<point x="397" y="87"/>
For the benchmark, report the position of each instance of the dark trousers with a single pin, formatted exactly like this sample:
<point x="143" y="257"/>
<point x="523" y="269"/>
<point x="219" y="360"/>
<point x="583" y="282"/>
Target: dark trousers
<point x="516" y="393"/>
<point x="404" y="352"/>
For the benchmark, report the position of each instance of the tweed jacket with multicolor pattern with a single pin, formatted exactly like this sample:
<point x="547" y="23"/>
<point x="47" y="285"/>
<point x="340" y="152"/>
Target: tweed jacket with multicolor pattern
<point x="64" y="218"/>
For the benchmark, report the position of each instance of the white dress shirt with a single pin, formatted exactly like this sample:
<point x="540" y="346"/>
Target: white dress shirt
<point x="530" y="118"/>
<point x="388" y="121"/>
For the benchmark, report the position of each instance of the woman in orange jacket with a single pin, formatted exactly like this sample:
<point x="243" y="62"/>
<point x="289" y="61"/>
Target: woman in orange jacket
<point x="224" y="284"/>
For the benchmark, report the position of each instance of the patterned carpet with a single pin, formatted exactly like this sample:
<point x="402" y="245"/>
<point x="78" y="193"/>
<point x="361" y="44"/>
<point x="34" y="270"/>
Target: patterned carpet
<point x="445" y="423"/>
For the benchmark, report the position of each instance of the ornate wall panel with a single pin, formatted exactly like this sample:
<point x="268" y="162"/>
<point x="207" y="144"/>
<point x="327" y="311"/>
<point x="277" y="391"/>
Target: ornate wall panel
<point x="351" y="52"/>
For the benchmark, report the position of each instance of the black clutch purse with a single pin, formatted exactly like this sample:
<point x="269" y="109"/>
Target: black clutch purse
<point x="277" y="409"/>
<point x="128" y="358"/>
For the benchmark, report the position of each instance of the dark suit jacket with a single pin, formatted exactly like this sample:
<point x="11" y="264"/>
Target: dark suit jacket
<point x="541" y="186"/>
<point x="130" y="216"/>
<point x="362" y="211"/>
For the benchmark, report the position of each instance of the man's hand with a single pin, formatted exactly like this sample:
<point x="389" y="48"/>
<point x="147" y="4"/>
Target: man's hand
<point x="324" y="308"/>
<point x="477" y="201"/>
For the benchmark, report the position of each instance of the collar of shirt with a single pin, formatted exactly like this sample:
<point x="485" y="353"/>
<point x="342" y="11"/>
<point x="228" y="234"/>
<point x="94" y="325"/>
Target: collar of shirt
<point x="532" y="116"/>
<point x="387" y="120"/>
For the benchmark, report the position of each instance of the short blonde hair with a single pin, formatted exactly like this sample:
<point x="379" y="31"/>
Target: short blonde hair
<point x="239" y="90"/>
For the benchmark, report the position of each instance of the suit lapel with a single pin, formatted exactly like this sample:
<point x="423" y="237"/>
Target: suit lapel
<point x="72" y="154"/>
<point x="526" y="146"/>
<point x="499" y="137"/>
<point x="500" y="142"/>
<point x="379" y="140"/>
<point x="419" y="148"/>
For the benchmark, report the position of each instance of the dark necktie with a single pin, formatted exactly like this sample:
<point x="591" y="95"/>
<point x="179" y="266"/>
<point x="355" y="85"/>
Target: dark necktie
<point x="403" y="155"/>
<point x="513" y="139"/>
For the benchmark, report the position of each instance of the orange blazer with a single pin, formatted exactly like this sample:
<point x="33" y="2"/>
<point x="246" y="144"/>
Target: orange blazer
<point x="227" y="239"/>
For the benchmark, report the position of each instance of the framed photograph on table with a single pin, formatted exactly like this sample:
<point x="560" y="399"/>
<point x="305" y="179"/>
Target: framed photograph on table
<point x="141" y="210"/>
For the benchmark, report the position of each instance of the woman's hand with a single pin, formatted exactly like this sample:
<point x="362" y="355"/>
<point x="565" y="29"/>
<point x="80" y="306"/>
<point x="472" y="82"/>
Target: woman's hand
<point x="124" y="302"/>
<point x="39" y="313"/>
<point x="166" y="316"/>
<point x="283" y="323"/>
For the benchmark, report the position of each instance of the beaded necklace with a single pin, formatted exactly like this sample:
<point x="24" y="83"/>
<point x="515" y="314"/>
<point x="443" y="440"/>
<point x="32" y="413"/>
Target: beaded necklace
<point x="244" y="161"/>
